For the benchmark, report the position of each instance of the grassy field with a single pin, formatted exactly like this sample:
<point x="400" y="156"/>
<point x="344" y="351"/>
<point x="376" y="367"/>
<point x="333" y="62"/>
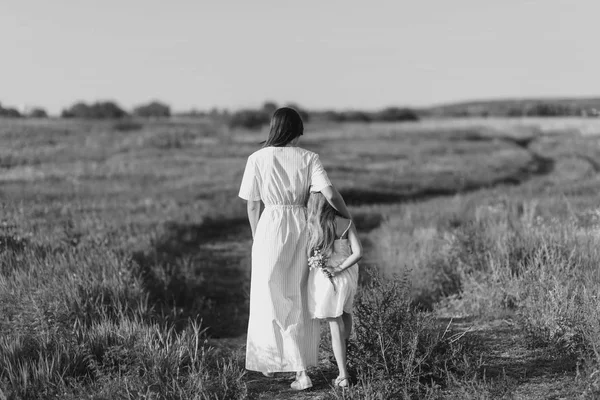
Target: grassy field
<point x="124" y="258"/>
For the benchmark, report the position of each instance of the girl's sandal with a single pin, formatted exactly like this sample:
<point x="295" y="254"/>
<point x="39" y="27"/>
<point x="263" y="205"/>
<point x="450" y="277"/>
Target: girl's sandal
<point x="269" y="374"/>
<point x="341" y="381"/>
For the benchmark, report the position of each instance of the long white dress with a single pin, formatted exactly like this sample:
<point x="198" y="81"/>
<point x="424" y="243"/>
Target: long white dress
<point x="282" y="337"/>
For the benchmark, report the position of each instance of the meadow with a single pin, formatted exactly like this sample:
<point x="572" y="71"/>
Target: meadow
<point x="124" y="259"/>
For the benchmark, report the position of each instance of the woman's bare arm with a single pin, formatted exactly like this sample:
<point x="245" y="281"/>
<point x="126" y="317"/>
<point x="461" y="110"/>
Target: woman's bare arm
<point x="253" y="208"/>
<point x="336" y="200"/>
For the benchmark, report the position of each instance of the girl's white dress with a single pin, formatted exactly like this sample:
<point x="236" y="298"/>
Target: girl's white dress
<point x="323" y="300"/>
<point x="281" y="334"/>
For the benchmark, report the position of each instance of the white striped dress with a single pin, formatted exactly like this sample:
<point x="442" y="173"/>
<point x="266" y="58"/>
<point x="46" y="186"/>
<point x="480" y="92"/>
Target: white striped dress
<point x="282" y="337"/>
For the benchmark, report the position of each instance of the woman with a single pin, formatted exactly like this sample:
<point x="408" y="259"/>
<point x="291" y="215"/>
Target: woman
<point x="281" y="335"/>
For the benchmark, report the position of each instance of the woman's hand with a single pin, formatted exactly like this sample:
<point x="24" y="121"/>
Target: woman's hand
<point x="335" y="199"/>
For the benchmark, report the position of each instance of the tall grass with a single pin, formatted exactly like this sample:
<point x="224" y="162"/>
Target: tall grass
<point x="532" y="259"/>
<point x="75" y="320"/>
<point x="401" y="352"/>
<point x="108" y="259"/>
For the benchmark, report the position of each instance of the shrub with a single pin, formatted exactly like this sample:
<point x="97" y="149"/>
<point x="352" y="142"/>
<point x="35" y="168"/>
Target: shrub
<point x="303" y="113"/>
<point x="249" y="119"/>
<point x="127" y="125"/>
<point x="392" y="114"/>
<point x="348" y="116"/>
<point x="256" y="119"/>
<point x="38" y="113"/>
<point x="398" y="348"/>
<point x="9" y="112"/>
<point x="77" y="110"/>
<point x="269" y="107"/>
<point x="98" y="110"/>
<point x="550" y="110"/>
<point x="356" y="116"/>
<point x="153" y="109"/>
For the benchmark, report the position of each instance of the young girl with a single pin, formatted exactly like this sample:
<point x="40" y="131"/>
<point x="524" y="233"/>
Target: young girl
<point x="332" y="299"/>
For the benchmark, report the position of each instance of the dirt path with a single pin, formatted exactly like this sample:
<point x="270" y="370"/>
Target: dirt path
<point x="515" y="369"/>
<point x="510" y="367"/>
<point x="278" y="387"/>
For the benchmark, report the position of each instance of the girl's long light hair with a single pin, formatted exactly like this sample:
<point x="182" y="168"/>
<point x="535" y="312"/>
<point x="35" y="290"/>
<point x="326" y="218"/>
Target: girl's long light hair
<point x="321" y="224"/>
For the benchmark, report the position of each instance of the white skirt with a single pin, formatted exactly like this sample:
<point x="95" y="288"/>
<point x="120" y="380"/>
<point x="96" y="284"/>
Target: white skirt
<point x="327" y="301"/>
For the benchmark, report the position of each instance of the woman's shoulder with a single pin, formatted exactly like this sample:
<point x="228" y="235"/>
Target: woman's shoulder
<point x="270" y="149"/>
<point x="259" y="154"/>
<point x="306" y="152"/>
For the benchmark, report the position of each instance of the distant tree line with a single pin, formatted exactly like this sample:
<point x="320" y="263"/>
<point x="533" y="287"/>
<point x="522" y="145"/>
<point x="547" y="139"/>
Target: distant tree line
<point x="547" y="110"/>
<point x="389" y="114"/>
<point x="257" y="118"/>
<point x="14" y="113"/>
<point x="518" y="108"/>
<point x="97" y="110"/>
<point x="111" y="110"/>
<point x="249" y="118"/>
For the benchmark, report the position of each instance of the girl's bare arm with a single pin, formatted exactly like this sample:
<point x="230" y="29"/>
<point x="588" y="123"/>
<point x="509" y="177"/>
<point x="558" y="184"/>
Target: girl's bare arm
<point x="356" y="256"/>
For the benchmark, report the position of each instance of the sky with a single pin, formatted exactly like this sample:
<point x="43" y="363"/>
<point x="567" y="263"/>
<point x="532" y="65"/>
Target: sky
<point x="319" y="54"/>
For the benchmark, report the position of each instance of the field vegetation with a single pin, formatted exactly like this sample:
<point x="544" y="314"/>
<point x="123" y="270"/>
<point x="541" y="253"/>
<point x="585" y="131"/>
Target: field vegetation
<point x="124" y="259"/>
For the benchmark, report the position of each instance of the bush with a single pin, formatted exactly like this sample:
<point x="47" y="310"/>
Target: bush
<point x="398" y="348"/>
<point x="38" y="113"/>
<point x="392" y="114"/>
<point x="153" y="109"/>
<point x="550" y="110"/>
<point x="99" y="110"/>
<point x="127" y="125"/>
<point x="303" y="113"/>
<point x="249" y="119"/>
<point x="347" y="116"/>
<point x="256" y="119"/>
<point x="356" y="116"/>
<point x="269" y="107"/>
<point x="9" y="112"/>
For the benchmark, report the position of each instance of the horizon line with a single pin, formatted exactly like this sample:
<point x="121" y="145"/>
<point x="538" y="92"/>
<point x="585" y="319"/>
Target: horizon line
<point x="30" y="106"/>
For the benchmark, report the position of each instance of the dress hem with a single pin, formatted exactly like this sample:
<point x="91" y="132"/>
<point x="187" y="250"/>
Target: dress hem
<point x="291" y="369"/>
<point x="319" y="317"/>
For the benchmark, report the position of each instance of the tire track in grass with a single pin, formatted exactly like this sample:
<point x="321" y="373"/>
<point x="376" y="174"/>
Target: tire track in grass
<point x="197" y="270"/>
<point x="522" y="372"/>
<point x="539" y="166"/>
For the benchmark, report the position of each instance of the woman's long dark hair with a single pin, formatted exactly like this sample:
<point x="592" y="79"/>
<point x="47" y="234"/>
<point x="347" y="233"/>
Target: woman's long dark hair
<point x="286" y="125"/>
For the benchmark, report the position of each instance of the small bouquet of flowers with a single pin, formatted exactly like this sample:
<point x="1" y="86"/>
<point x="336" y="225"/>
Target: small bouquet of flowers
<point x="318" y="260"/>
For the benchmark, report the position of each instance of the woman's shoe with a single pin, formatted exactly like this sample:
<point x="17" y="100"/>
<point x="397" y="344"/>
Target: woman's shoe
<point x="301" y="383"/>
<point x="341" y="381"/>
<point x="268" y="374"/>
